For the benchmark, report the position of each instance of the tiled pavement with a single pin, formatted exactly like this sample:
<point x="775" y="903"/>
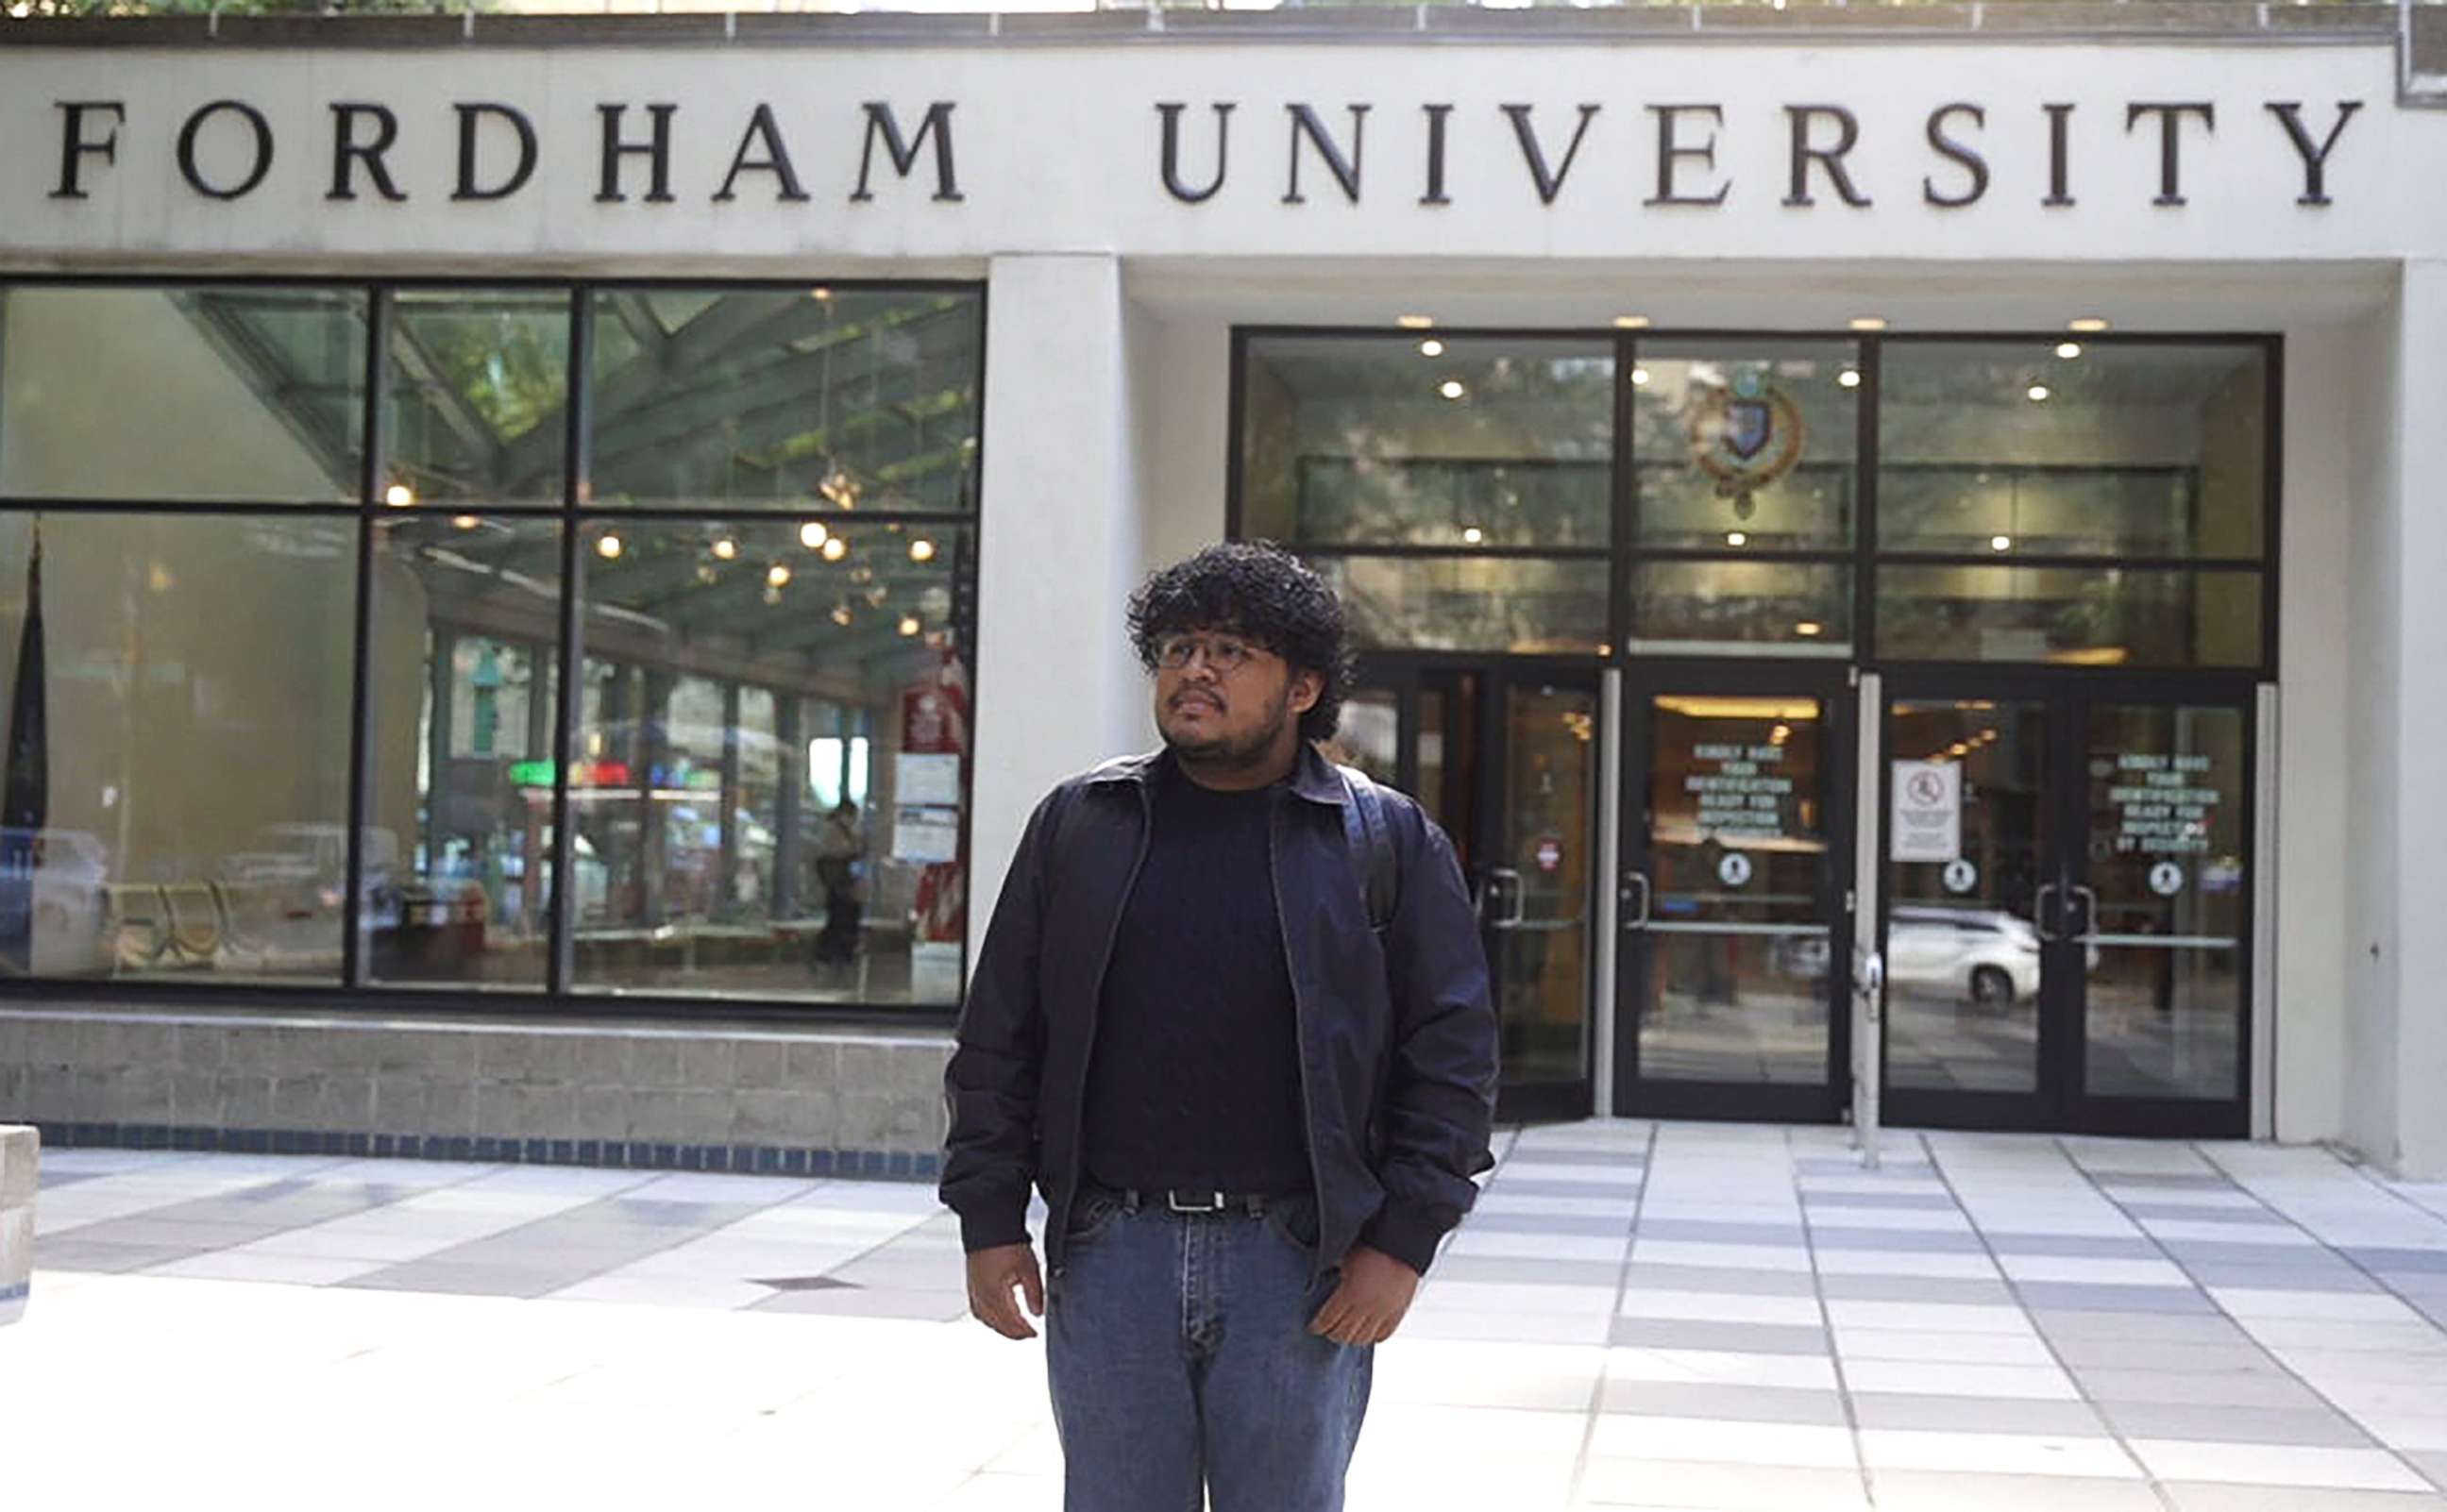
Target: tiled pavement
<point x="1717" y="1319"/>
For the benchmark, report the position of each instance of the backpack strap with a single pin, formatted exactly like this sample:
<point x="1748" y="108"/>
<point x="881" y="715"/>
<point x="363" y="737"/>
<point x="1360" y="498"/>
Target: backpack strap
<point x="1365" y="829"/>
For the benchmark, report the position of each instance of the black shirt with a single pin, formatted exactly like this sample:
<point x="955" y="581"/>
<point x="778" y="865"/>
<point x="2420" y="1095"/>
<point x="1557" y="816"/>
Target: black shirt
<point x="1194" y="1080"/>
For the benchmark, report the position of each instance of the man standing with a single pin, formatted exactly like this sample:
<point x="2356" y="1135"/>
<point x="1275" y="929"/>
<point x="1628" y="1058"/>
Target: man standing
<point x="1232" y="1019"/>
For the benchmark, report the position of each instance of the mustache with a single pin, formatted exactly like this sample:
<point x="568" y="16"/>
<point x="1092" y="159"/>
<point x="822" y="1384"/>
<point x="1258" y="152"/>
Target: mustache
<point x="1186" y="695"/>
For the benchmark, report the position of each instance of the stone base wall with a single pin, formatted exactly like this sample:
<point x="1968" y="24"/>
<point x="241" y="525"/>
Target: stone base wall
<point x="683" y="1097"/>
<point x="19" y="1149"/>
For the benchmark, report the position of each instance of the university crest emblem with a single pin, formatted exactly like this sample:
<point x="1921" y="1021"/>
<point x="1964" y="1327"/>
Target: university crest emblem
<point x="1746" y="436"/>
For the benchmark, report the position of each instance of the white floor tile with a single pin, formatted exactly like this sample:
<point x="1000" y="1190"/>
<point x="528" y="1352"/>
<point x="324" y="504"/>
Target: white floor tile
<point x="1731" y="1256"/>
<point x="1721" y="1307"/>
<point x="2276" y="1465"/>
<point x="1906" y="1262"/>
<point x="2084" y="1268"/>
<point x="1721" y="1368"/>
<point x="1667" y="1438"/>
<point x="1967" y="1317"/>
<point x="1945" y="1348"/>
<point x="2039" y="1383"/>
<point x="1996" y="1454"/>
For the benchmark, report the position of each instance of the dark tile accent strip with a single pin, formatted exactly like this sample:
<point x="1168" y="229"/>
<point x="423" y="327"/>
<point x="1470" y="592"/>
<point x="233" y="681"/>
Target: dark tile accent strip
<point x="897" y="1165"/>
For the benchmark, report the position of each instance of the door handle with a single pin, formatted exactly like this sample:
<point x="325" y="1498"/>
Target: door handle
<point x="2039" y="911"/>
<point x="1635" y="882"/>
<point x="2089" y="913"/>
<point x="1505" y="877"/>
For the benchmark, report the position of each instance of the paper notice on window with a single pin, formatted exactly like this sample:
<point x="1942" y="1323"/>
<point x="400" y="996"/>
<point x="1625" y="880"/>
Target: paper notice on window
<point x="1927" y="823"/>
<point x="926" y="836"/>
<point x="927" y="780"/>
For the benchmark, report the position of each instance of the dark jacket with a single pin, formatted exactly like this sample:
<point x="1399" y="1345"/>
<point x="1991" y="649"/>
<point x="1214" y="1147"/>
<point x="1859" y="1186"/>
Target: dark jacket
<point x="1396" y="1034"/>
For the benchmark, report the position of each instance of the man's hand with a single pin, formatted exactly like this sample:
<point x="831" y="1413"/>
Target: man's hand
<point x="1367" y="1306"/>
<point x="992" y="1275"/>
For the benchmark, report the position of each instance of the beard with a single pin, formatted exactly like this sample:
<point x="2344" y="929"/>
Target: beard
<point x="1227" y="750"/>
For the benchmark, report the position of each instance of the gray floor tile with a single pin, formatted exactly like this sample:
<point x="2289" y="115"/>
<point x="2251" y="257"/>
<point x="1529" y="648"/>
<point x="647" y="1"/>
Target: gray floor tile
<point x="471" y="1280"/>
<point x="2217" y="1251"/>
<point x="1743" y="1404"/>
<point x="1892" y="1201"/>
<point x="2085" y="1246"/>
<point x="2434" y="1261"/>
<point x="150" y="1230"/>
<point x="2187" y="1496"/>
<point x="2227" y="1423"/>
<point x="1846" y="1166"/>
<point x="2192" y="1213"/>
<point x="1696" y="1334"/>
<point x="2098" y="1298"/>
<point x="2185" y="1327"/>
<point x="1709" y="1231"/>
<point x="69" y="1253"/>
<point x="1976" y="1415"/>
<point x="658" y="1214"/>
<point x="47" y="1180"/>
<point x="2172" y="1180"/>
<point x="1607" y="1160"/>
<point x="2113" y="1384"/>
<point x="1718" y="1278"/>
<point x="2299" y="1277"/>
<point x="1510" y="1268"/>
<point x="1549" y="1224"/>
<point x="1914" y="1289"/>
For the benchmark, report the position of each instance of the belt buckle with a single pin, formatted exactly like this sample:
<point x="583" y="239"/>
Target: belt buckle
<point x="1213" y="1203"/>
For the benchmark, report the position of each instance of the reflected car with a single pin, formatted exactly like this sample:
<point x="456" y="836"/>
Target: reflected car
<point x="1988" y="955"/>
<point x="312" y="859"/>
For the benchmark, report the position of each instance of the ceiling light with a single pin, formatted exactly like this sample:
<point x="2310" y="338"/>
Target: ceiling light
<point x="1868" y="322"/>
<point x="466" y="522"/>
<point x="2069" y="349"/>
<point x="1415" y="322"/>
<point x="813" y="535"/>
<point x="841" y="613"/>
<point x="2001" y="544"/>
<point x="921" y="549"/>
<point x="777" y="576"/>
<point x="1631" y="322"/>
<point x="2086" y="324"/>
<point x="1808" y="628"/>
<point x="399" y="496"/>
<point x="1431" y="348"/>
<point x="836" y="548"/>
<point x="1850" y="377"/>
<point x="2039" y="393"/>
<point x="819" y="291"/>
<point x="608" y="548"/>
<point x="1638" y="376"/>
<point x="1736" y="537"/>
<point x="1472" y="534"/>
<point x="1451" y="388"/>
<point x="909" y="625"/>
<point x="726" y="548"/>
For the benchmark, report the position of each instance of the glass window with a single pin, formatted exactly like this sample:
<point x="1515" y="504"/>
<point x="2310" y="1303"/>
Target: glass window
<point x="2073" y="448"/>
<point x="1753" y="438"/>
<point x="1427" y="441"/>
<point x="769" y="786"/>
<point x="1802" y="609"/>
<point x="2111" y="617"/>
<point x="480" y="389"/>
<point x="186" y="699"/>
<point x="1466" y="603"/>
<point x="799" y="399"/>
<point x="188" y="394"/>
<point x="465" y="639"/>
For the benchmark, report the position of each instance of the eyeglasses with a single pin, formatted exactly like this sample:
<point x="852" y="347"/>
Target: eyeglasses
<point x="1223" y="655"/>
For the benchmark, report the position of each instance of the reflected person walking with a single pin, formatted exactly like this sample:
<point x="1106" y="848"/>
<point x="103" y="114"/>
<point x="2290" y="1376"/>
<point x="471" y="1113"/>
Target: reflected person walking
<point x="1232" y="1020"/>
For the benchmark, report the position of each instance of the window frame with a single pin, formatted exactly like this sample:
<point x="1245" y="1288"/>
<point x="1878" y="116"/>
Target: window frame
<point x="559" y="996"/>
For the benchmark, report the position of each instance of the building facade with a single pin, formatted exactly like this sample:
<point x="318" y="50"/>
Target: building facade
<point x="546" y="561"/>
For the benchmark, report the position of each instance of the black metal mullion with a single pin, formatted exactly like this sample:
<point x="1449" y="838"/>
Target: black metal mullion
<point x="562" y="947"/>
<point x="372" y="460"/>
<point x="1621" y="626"/>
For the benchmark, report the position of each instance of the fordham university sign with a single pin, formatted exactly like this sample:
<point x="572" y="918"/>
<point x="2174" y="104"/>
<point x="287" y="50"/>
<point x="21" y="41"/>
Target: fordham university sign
<point x="1215" y="151"/>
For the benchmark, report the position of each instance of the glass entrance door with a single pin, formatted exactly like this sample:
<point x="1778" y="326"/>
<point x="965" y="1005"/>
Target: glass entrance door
<point x="2068" y="906"/>
<point x="1731" y="905"/>
<point x="1503" y="755"/>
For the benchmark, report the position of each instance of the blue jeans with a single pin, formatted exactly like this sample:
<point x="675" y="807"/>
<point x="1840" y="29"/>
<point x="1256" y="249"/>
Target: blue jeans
<point x="1182" y="1367"/>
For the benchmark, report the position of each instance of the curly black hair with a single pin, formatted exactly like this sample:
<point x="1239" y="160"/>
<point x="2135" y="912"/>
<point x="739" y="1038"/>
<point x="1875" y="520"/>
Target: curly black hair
<point x="1258" y="590"/>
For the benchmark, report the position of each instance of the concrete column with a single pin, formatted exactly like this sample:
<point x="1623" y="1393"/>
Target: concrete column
<point x="1060" y="550"/>
<point x="2419" y="728"/>
<point x="19" y="1146"/>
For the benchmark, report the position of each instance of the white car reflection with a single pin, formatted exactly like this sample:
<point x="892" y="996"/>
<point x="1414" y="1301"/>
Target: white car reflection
<point x="1985" y="955"/>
